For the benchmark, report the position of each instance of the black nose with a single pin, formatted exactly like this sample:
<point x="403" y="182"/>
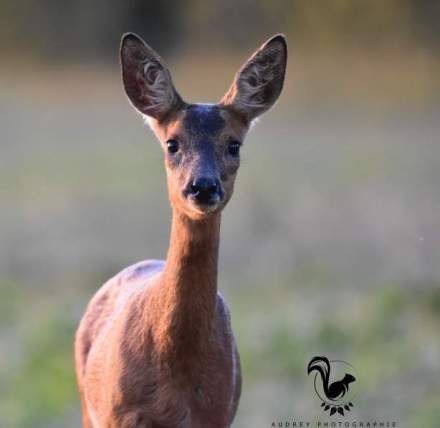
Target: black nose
<point x="205" y="189"/>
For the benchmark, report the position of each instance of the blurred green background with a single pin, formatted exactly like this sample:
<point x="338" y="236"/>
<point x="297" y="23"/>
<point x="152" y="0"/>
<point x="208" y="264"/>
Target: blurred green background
<point x="330" y="245"/>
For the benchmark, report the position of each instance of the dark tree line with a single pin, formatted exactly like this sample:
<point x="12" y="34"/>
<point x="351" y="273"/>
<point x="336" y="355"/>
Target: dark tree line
<point x="70" y="29"/>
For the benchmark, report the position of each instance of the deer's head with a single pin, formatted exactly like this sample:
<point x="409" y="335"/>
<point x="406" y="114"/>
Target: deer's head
<point x="201" y="141"/>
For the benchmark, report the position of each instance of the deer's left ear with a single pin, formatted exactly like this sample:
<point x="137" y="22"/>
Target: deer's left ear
<point x="259" y="82"/>
<point x="147" y="80"/>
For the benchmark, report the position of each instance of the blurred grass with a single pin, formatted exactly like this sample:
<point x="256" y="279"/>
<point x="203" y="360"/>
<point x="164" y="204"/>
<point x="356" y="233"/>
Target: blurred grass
<point x="38" y="383"/>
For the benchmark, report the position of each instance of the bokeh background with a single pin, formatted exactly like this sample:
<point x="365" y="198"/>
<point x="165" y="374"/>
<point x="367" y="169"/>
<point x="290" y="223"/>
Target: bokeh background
<point x="330" y="246"/>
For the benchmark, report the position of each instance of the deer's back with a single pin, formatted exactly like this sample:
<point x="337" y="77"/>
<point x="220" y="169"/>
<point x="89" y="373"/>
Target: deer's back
<point x="103" y="307"/>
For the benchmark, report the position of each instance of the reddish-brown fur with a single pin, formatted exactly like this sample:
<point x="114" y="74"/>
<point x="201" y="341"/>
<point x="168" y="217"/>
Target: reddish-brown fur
<point x="155" y="347"/>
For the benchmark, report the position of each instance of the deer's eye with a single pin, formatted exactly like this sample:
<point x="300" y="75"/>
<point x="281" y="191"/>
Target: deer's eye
<point x="234" y="148"/>
<point x="172" y="146"/>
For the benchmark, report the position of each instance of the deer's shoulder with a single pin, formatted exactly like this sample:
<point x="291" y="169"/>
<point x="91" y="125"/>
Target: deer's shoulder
<point x="124" y="283"/>
<point x="113" y="294"/>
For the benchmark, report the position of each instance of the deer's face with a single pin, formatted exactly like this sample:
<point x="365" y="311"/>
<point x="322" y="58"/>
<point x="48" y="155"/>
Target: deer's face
<point x="201" y="142"/>
<point x="202" y="155"/>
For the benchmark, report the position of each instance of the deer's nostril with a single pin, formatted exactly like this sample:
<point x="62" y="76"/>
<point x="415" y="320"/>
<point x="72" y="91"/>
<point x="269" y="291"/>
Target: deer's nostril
<point x="204" y="188"/>
<point x="194" y="188"/>
<point x="204" y="185"/>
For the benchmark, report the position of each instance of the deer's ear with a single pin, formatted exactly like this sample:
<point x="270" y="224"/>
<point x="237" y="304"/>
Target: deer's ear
<point x="147" y="81"/>
<point x="259" y="82"/>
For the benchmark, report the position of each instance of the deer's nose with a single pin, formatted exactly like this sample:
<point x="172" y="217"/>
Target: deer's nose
<point x="205" y="190"/>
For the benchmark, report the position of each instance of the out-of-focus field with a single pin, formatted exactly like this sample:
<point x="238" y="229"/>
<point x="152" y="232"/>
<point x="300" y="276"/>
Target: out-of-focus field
<point x="330" y="245"/>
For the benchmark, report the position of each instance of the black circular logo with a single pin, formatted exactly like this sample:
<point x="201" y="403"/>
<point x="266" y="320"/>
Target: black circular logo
<point x="335" y="384"/>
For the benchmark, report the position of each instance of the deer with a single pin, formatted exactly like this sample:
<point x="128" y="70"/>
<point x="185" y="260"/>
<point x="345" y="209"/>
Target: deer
<point x="155" y="347"/>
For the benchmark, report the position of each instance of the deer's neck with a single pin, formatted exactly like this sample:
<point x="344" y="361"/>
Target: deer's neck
<point x="188" y="289"/>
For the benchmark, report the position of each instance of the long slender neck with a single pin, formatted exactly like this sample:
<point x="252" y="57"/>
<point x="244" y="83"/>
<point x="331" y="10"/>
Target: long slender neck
<point x="188" y="287"/>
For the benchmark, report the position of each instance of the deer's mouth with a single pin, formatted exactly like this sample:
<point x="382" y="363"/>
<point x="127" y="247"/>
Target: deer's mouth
<point x="205" y="204"/>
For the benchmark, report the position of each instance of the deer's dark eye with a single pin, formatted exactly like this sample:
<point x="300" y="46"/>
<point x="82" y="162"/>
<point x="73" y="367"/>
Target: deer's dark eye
<point x="234" y="148"/>
<point x="172" y="146"/>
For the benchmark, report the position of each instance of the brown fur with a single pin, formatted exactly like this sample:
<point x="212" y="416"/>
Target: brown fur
<point x="155" y="347"/>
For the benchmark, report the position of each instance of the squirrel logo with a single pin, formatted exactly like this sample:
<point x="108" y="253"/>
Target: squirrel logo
<point x="334" y="394"/>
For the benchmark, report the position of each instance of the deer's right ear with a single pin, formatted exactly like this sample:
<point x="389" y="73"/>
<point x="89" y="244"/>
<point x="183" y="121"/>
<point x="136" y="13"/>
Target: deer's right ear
<point x="147" y="81"/>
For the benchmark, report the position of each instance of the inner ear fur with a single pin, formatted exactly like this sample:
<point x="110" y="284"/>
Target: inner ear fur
<point x="259" y="82"/>
<point x="147" y="81"/>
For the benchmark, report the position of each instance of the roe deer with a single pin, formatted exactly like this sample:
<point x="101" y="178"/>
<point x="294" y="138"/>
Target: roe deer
<point x="155" y="347"/>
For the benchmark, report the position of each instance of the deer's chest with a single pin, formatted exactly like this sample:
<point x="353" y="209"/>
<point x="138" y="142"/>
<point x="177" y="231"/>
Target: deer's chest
<point x="195" y="390"/>
<point x="204" y="385"/>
